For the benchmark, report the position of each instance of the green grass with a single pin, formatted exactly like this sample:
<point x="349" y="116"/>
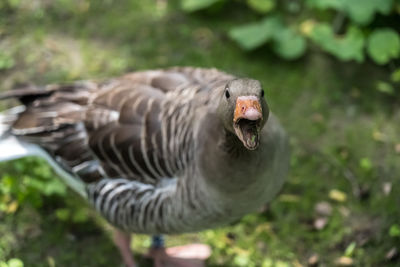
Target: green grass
<point x="343" y="134"/>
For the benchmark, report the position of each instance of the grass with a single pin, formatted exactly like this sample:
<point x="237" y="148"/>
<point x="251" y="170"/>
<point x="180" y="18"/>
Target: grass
<point x="344" y="134"/>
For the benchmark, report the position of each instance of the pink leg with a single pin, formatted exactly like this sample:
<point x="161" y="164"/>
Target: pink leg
<point x="193" y="255"/>
<point x="123" y="242"/>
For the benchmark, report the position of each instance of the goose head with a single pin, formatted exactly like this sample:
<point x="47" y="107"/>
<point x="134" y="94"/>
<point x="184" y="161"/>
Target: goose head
<point x="244" y="110"/>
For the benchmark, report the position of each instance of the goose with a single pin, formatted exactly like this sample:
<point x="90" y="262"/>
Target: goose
<point x="163" y="151"/>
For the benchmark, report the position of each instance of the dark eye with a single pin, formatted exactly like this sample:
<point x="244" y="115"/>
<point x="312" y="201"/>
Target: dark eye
<point x="262" y="93"/>
<point x="227" y="94"/>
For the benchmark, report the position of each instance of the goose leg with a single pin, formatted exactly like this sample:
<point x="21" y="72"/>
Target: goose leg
<point x="193" y="255"/>
<point x="123" y="242"/>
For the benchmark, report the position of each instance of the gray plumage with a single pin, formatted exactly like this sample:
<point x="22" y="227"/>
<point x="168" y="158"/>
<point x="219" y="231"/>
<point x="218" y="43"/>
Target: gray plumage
<point x="156" y="150"/>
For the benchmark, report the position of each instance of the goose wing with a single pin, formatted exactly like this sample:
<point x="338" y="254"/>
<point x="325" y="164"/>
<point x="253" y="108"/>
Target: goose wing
<point x="138" y="127"/>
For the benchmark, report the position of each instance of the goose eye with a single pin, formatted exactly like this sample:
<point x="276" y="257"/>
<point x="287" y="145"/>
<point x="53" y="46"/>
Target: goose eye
<point x="227" y="94"/>
<point x="262" y="93"/>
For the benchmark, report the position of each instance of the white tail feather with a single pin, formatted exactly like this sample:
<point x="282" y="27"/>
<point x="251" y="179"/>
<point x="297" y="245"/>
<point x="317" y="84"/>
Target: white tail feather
<point x="12" y="148"/>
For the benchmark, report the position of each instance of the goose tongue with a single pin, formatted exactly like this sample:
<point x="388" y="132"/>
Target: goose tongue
<point x="248" y="132"/>
<point x="247" y="120"/>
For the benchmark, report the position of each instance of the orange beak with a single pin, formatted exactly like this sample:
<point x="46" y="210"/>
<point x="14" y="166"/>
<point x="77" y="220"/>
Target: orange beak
<point x="247" y="107"/>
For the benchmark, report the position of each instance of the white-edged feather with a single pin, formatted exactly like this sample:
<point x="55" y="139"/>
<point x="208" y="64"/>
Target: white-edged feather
<point x="11" y="148"/>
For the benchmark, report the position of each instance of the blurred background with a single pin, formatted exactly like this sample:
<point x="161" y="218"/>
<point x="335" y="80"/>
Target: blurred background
<point x="331" y="73"/>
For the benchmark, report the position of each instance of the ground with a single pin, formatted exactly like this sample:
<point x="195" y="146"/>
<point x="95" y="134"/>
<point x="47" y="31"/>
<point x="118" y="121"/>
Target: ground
<point x="340" y="205"/>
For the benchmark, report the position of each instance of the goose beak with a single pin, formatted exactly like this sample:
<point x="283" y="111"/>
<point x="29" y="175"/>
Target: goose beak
<point x="247" y="120"/>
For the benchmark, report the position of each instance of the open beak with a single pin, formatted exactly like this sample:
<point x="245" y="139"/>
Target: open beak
<point x="247" y="120"/>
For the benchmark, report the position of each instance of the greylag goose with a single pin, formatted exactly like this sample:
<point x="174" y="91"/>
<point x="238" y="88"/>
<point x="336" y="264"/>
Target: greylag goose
<point x="157" y="152"/>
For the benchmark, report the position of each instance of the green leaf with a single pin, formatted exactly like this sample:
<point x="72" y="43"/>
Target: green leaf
<point x="63" y="214"/>
<point x="395" y="77"/>
<point x="261" y="6"/>
<point x="363" y="11"/>
<point x="366" y="164"/>
<point x="384" y="7"/>
<point x="80" y="216"/>
<point x="325" y="4"/>
<point x="345" y="47"/>
<point x="253" y="35"/>
<point x="337" y="195"/>
<point x="383" y="45"/>
<point x="195" y="5"/>
<point x="241" y="260"/>
<point x="15" y="263"/>
<point x="350" y="249"/>
<point x="394" y="230"/>
<point x="289" y="45"/>
<point x="385" y="88"/>
<point x="360" y="11"/>
<point x="54" y="187"/>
